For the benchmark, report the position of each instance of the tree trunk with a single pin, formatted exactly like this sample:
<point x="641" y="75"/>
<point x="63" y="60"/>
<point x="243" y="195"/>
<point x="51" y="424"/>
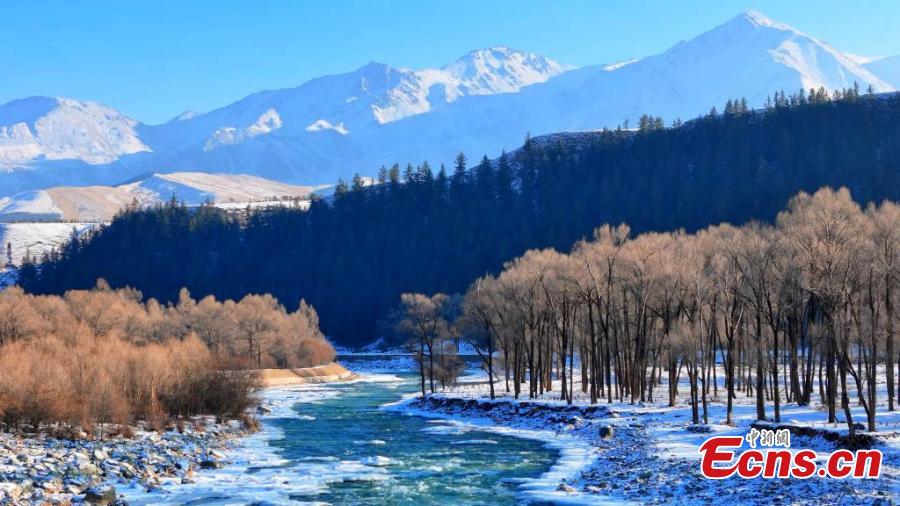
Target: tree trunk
<point x="889" y="343"/>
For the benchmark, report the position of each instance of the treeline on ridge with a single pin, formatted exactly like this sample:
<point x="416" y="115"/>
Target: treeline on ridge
<point x="427" y="229"/>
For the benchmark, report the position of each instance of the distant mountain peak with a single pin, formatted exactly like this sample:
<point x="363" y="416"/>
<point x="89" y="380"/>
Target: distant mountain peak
<point x="759" y="19"/>
<point x="530" y="67"/>
<point x="56" y="128"/>
<point x="488" y="71"/>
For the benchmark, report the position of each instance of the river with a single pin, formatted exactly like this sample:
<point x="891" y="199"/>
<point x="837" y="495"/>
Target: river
<point x="334" y="444"/>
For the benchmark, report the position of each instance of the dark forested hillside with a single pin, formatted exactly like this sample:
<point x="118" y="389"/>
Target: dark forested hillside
<point x="428" y="230"/>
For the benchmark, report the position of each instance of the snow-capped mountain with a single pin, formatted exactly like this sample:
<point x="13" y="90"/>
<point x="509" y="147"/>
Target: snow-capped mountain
<point x="60" y="128"/>
<point x="487" y="100"/>
<point x="489" y="71"/>
<point x="100" y="203"/>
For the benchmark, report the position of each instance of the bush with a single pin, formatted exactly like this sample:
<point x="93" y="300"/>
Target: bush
<point x="104" y="357"/>
<point x="97" y="380"/>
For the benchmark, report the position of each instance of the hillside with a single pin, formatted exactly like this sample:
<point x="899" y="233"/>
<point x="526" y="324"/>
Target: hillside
<point x="487" y="100"/>
<point x="101" y="203"/>
<point x="425" y="230"/>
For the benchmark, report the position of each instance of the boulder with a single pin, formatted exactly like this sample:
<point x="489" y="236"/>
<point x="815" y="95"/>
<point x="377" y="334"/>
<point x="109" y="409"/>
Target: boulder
<point x="103" y="495"/>
<point x="606" y="432"/>
<point x="565" y="488"/>
<point x="210" y="464"/>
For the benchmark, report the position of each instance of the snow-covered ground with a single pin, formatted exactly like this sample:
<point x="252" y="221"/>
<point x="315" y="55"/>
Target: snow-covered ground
<point x="375" y="363"/>
<point x="101" y="203"/>
<point x="653" y="456"/>
<point x="35" y="239"/>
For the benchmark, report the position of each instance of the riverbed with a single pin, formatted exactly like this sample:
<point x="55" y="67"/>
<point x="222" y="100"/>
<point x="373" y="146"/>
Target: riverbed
<point x="334" y="443"/>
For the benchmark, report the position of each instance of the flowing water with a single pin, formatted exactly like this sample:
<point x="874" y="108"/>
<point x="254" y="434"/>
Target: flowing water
<point x="333" y="444"/>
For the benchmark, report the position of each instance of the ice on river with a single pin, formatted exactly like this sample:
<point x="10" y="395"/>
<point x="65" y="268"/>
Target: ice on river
<point x="257" y="474"/>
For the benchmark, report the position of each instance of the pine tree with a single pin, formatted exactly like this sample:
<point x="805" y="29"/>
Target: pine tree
<point x="341" y="188"/>
<point x="394" y="174"/>
<point x="358" y="183"/>
<point x="458" y="181"/>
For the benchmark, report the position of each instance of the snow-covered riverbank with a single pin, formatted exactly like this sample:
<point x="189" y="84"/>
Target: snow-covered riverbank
<point x="195" y="458"/>
<point x="35" y="469"/>
<point x="647" y="453"/>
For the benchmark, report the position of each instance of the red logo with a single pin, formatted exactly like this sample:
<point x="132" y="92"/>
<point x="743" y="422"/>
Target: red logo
<point x="720" y="460"/>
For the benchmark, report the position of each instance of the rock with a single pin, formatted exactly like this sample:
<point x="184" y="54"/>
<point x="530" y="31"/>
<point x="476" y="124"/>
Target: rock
<point x="699" y="429"/>
<point x="606" y="432"/>
<point x="11" y="491"/>
<point x="103" y="495"/>
<point x="565" y="488"/>
<point x="210" y="464"/>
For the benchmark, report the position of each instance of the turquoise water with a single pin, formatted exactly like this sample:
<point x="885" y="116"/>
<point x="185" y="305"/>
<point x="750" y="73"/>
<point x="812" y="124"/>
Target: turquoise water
<point x="426" y="464"/>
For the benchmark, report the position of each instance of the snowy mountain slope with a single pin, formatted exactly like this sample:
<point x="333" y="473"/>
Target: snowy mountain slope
<point x="35" y="239"/>
<point x="887" y="68"/>
<point x="749" y="56"/>
<point x="100" y="203"/>
<point x="61" y="128"/>
<point x="337" y="125"/>
<point x="353" y="103"/>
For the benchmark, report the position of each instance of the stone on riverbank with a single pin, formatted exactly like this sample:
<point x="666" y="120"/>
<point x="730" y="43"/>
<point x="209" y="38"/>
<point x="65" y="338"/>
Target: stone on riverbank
<point x="36" y="469"/>
<point x="102" y="495"/>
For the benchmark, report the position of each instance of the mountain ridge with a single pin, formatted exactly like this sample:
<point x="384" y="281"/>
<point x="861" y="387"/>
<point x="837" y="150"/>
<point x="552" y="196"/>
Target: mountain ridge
<point x="485" y="101"/>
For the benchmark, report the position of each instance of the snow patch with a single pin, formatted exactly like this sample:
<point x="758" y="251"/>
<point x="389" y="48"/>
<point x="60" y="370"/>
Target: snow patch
<point x="618" y="65"/>
<point x="321" y="124"/>
<point x="267" y="122"/>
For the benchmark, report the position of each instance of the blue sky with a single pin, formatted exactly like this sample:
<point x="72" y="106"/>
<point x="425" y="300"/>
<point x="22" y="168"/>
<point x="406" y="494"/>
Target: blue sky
<point x="155" y="60"/>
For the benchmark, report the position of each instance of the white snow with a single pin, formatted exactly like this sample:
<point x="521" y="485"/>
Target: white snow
<point x="321" y="124"/>
<point x="653" y="457"/>
<point x="101" y="203"/>
<point x="35" y="239"/>
<point x="64" y="129"/>
<point x="490" y="71"/>
<point x="267" y="122"/>
<point x="618" y="65"/>
<point x="34" y="203"/>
